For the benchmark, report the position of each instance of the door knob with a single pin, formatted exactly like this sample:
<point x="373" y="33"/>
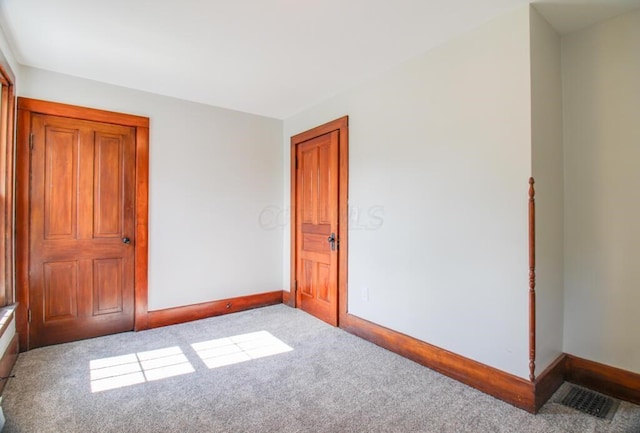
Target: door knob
<point x="332" y="240"/>
<point x="126" y="240"/>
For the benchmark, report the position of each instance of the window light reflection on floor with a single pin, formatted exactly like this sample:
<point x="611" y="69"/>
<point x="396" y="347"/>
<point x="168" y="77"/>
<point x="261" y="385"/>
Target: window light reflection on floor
<point x="240" y="348"/>
<point x="134" y="368"/>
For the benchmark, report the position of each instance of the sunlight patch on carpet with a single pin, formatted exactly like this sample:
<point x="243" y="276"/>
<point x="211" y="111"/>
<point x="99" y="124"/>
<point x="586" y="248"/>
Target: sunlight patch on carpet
<point x="134" y="368"/>
<point x="239" y="348"/>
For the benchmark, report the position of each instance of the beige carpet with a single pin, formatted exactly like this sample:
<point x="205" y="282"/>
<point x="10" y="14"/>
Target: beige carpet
<point x="274" y="369"/>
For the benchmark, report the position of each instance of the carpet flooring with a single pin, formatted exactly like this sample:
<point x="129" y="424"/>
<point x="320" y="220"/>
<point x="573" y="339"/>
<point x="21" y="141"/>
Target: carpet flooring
<point x="273" y="369"/>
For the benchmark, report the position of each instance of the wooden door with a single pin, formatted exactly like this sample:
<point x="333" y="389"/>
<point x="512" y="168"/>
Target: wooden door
<point x="81" y="231"/>
<point x="317" y="230"/>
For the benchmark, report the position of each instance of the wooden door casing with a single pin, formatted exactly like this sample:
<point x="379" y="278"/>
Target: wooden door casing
<point x="115" y="273"/>
<point x="319" y="191"/>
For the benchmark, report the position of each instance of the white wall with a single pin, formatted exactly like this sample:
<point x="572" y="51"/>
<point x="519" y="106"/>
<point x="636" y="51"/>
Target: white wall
<point x="547" y="169"/>
<point x="212" y="171"/>
<point x="601" y="70"/>
<point x="439" y="163"/>
<point x="441" y="149"/>
<point x="8" y="54"/>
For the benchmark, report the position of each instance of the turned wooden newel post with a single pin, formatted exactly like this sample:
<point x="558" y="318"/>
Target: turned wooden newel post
<point x="532" y="280"/>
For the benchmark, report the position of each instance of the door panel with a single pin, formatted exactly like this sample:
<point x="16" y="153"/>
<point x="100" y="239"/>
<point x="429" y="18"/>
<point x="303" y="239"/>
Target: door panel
<point x="107" y="286"/>
<point x="317" y="220"/>
<point x="60" y="290"/>
<point x="306" y="275"/>
<point x="324" y="282"/>
<point x="327" y="196"/>
<point x="316" y="242"/>
<point x="61" y="170"/>
<point x="82" y="206"/>
<point x="107" y="197"/>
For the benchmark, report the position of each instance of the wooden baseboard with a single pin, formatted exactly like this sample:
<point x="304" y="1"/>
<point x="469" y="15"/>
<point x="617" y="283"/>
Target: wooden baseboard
<point x="517" y="391"/>
<point x="612" y="381"/>
<point x="285" y="297"/>
<point x="504" y="386"/>
<point x="187" y="313"/>
<point x="549" y="381"/>
<point x="8" y="360"/>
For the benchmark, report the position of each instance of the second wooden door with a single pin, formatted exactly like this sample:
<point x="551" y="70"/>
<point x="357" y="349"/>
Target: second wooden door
<point x="317" y="239"/>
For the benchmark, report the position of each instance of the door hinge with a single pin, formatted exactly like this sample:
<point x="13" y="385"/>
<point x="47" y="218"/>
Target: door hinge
<point x="30" y="141"/>
<point x="29" y="315"/>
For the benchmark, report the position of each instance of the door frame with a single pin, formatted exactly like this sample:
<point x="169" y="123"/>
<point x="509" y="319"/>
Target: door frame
<point x="26" y="108"/>
<point x="342" y="126"/>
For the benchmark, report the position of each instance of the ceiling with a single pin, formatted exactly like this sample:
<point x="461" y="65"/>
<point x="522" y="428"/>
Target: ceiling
<point x="268" y="57"/>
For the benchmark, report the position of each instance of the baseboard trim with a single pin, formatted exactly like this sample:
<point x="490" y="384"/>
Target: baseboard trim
<point x="285" y="297"/>
<point x="8" y="360"/>
<point x="548" y="382"/>
<point x="612" y="381"/>
<point x="519" y="392"/>
<point x="188" y="313"/>
<point x="512" y="389"/>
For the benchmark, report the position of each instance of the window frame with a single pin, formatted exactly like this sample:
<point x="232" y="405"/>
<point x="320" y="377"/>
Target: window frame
<point x="7" y="182"/>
